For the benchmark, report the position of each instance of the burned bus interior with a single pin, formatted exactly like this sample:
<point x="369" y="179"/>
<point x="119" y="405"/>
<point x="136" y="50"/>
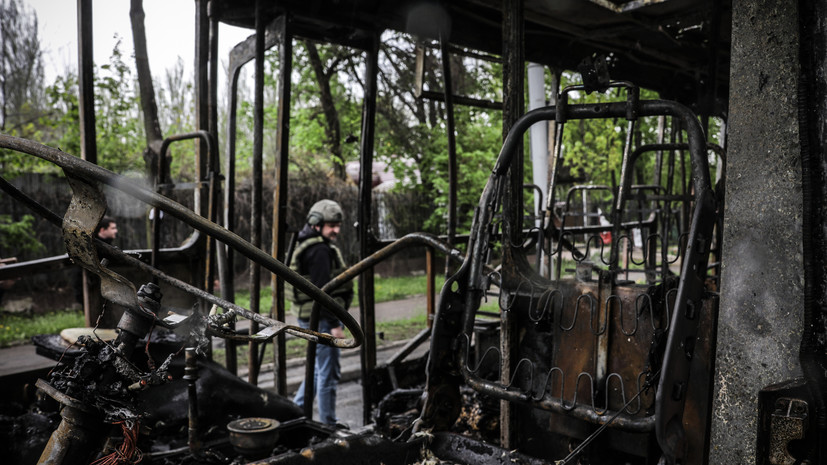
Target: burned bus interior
<point x="602" y="347"/>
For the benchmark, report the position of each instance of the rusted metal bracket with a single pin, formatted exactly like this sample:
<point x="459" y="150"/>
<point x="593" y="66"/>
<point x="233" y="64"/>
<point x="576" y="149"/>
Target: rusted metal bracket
<point x="787" y="431"/>
<point x="788" y="423"/>
<point x="87" y="207"/>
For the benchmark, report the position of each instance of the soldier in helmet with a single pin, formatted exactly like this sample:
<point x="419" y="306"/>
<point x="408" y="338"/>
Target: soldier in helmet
<point x="319" y="260"/>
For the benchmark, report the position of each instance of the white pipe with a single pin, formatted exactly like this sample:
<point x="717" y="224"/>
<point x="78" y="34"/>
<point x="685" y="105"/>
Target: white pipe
<point x="538" y="133"/>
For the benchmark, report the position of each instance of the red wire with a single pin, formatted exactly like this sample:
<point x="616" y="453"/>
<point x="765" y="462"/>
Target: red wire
<point x="128" y="452"/>
<point x="150" y="361"/>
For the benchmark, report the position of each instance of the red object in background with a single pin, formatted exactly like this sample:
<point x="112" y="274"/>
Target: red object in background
<point x="606" y="237"/>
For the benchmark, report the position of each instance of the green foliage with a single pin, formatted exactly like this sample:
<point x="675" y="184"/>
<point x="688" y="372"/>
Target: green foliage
<point x="22" y="99"/>
<point x="118" y="123"/>
<point x="16" y="329"/>
<point x="62" y="124"/>
<point x="314" y="144"/>
<point x="593" y="149"/>
<point x="18" y="236"/>
<point x="245" y="121"/>
<point x="119" y="126"/>
<point x="318" y="132"/>
<point x="175" y="94"/>
<point x="478" y="139"/>
<point x="14" y="163"/>
<point x="21" y="64"/>
<point x="412" y="132"/>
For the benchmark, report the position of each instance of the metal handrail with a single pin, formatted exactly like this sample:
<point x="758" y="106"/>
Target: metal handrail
<point x="85" y="170"/>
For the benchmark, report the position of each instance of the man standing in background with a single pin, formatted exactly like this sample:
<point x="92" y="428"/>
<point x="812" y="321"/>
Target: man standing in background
<point x="318" y="260"/>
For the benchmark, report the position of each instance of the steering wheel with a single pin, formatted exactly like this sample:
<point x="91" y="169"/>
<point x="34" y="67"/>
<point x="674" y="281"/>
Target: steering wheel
<point x="87" y="208"/>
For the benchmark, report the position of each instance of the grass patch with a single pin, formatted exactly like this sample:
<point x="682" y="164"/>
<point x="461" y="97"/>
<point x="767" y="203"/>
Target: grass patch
<point x="16" y="329"/>
<point x="401" y="287"/>
<point x="265" y="299"/>
<point x="295" y="348"/>
<point x="385" y="290"/>
<point x="493" y="305"/>
<point x="400" y="330"/>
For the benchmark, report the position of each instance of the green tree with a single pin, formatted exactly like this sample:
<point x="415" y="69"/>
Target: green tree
<point x="63" y="123"/>
<point x="326" y="112"/>
<point x="176" y="114"/>
<point x="118" y="121"/>
<point x="412" y="132"/>
<point x="21" y="65"/>
<point x="325" y="123"/>
<point x="592" y="149"/>
<point x="326" y="65"/>
<point x="16" y="236"/>
<point x="22" y="98"/>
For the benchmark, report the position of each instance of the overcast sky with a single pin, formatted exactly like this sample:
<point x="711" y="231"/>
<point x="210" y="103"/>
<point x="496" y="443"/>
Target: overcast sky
<point x="170" y="26"/>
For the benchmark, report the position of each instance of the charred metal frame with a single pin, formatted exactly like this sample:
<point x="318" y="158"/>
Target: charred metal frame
<point x="620" y="227"/>
<point x="240" y="55"/>
<point x="281" y="32"/>
<point x="83" y="219"/>
<point x="450" y="345"/>
<point x="454" y="322"/>
<point x="280" y="193"/>
<point x="366" y="237"/>
<point x="85" y="174"/>
<point x="257" y="174"/>
<point x="163" y="185"/>
<point x="86" y="102"/>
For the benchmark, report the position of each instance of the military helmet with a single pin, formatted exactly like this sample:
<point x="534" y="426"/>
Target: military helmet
<point x="325" y="211"/>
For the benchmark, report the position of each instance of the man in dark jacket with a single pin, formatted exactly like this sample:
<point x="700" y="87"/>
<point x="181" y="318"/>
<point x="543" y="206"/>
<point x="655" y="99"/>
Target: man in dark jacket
<point x="318" y="260"/>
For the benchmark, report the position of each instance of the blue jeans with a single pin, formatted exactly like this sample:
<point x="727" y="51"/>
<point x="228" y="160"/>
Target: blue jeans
<point x="327" y="376"/>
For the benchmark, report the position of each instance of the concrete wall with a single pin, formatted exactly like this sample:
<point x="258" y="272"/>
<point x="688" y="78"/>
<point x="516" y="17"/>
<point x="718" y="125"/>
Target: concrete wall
<point x="762" y="278"/>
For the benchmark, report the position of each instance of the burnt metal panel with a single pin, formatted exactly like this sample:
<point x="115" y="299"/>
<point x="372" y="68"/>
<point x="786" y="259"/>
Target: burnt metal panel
<point x="667" y="46"/>
<point x="762" y="301"/>
<point x="590" y="352"/>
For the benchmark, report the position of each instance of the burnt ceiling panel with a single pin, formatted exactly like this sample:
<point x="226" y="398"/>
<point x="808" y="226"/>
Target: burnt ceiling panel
<point x="672" y="46"/>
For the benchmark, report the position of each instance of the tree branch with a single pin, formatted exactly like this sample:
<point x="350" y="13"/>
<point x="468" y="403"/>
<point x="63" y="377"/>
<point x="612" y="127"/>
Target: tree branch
<point x="332" y="126"/>
<point x="149" y="107"/>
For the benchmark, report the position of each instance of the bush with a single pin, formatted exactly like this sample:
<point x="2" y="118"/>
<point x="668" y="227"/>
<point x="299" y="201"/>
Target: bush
<point x="18" y="236"/>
